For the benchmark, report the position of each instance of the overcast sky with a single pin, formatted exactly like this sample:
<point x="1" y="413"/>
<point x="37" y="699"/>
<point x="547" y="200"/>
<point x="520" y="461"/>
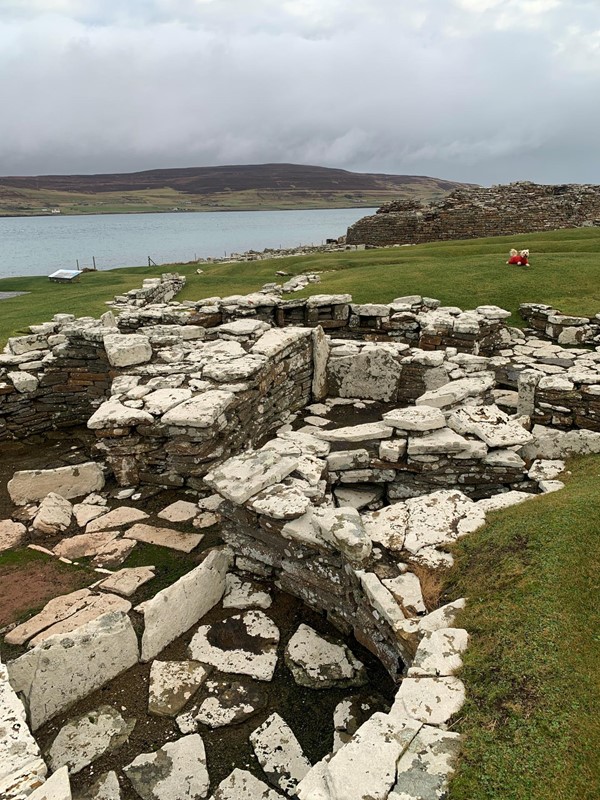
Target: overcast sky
<point x="480" y="90"/>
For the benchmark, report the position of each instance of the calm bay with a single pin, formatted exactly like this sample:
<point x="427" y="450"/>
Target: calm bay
<point x="40" y="245"/>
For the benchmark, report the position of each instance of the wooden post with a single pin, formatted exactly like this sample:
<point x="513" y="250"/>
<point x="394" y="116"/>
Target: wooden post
<point x="94" y="262"/>
<point x="77" y="260"/>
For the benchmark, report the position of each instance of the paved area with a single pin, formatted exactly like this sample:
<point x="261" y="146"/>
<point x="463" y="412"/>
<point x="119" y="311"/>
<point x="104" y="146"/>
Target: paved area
<point x="8" y="295"/>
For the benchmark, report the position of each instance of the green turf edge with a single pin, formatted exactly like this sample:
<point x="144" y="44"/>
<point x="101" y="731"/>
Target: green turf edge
<point x="532" y="670"/>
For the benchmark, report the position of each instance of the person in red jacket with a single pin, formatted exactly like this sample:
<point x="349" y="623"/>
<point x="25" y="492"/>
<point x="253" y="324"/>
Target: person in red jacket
<point x="520" y="258"/>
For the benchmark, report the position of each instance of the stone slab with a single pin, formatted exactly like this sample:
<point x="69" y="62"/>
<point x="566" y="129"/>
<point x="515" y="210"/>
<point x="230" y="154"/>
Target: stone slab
<point x="65" y="668"/>
<point x="243" y="476"/>
<point x="319" y="662"/>
<point x="177" y="771"/>
<point x="279" y="753"/>
<point x="176" y="608"/>
<point x="31" y="486"/>
<point x="164" y="537"/>
<point x="172" y="685"/>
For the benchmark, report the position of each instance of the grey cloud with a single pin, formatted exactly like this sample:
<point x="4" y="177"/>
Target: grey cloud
<point x="455" y="88"/>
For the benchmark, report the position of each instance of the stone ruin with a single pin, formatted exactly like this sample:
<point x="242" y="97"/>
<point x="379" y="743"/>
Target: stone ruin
<point x="250" y="407"/>
<point x="471" y="213"/>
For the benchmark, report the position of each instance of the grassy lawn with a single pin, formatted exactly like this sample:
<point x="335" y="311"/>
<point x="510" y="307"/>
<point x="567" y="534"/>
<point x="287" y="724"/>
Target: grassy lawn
<point x="565" y="273"/>
<point x="532" y="718"/>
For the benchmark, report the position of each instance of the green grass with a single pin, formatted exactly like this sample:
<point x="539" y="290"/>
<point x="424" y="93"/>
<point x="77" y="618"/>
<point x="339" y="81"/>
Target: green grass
<point x="565" y="273"/>
<point x="532" y="718"/>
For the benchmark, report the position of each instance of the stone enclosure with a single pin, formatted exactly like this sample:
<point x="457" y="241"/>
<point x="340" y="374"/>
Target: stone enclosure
<point x="327" y="450"/>
<point x="470" y="213"/>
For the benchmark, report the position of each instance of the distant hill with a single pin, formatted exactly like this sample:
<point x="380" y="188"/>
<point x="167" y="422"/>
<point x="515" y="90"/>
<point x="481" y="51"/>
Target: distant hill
<point x="239" y="187"/>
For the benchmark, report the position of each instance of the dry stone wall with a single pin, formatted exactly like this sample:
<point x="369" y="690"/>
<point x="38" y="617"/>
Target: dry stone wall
<point x="515" y="208"/>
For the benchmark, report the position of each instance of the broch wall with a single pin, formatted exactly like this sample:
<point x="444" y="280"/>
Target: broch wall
<point x="521" y="207"/>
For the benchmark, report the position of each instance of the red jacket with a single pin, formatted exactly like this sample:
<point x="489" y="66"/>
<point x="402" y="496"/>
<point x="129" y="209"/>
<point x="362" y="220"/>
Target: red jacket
<point x="521" y="261"/>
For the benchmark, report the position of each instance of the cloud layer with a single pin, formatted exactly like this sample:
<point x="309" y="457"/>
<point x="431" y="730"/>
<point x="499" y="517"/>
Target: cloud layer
<point x="480" y="90"/>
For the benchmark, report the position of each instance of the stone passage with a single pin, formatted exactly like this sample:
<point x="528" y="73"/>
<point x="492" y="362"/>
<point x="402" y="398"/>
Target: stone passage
<point x="471" y="213"/>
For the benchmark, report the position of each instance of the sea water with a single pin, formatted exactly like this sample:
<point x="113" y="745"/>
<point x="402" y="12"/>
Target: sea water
<point x="41" y="245"/>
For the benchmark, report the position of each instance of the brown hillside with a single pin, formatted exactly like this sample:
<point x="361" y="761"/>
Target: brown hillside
<point x="212" y="180"/>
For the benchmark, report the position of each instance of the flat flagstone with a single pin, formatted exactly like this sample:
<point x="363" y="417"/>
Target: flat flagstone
<point x="84" y="545"/>
<point x="280" y="502"/>
<point x="180" y="511"/>
<point x="116" y="518"/>
<point x="387" y="526"/>
<point x="244" y="594"/>
<point x="279" y="753"/>
<point x="365" y="768"/>
<point x="87" y="737"/>
<point x="243" y="476"/>
<point x="114" y="553"/>
<point x="65" y="613"/>
<point x="177" y="771"/>
<point x="86" y="512"/>
<point x="424" y="769"/>
<point x="229" y="701"/>
<point x="440" y="518"/>
<point x="173" y="684"/>
<point x="242" y="785"/>
<point x="415" y="418"/>
<point x="319" y="662"/>
<point x="165" y="537"/>
<point x="105" y="788"/>
<point x="127" y="581"/>
<point x="245" y="644"/>
<point x="439" y="653"/>
<point x="369" y="431"/>
<point x="406" y="589"/>
<point x="432" y="701"/>
<point x="489" y="424"/>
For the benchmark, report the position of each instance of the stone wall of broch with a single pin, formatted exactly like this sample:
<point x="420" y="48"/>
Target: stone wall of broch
<point x="521" y="207"/>
<point x="474" y="416"/>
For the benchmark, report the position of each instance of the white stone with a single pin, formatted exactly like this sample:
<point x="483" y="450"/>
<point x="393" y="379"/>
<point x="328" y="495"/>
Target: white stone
<point x="358" y="497"/>
<point x="176" y="608"/>
<point x="54" y="514"/>
<point x="320" y="359"/>
<point x="57" y="787"/>
<point x="365" y="768"/>
<point x="126" y="350"/>
<point x="105" y="788"/>
<point x="424" y="769"/>
<point x="163" y="400"/>
<point x="439" y="653"/>
<point x="175" y="772"/>
<point x="229" y="701"/>
<point x="384" y="603"/>
<point x="369" y="431"/>
<point x="22" y="768"/>
<point x="443" y="617"/>
<point x="30" y="486"/>
<point x="406" y="589"/>
<point x="306" y="444"/>
<point x="551" y="486"/>
<point x="24" y="382"/>
<point x="554" y="444"/>
<point x="243" y="476"/>
<point x="65" y="668"/>
<point x="85" y="512"/>
<point x="165" y="537"/>
<point x="504" y="458"/>
<point x="201" y="411"/>
<point x="503" y="500"/>
<point x="85" y="544"/>
<point x="440" y="518"/>
<point x="454" y="392"/>
<point x="87" y="737"/>
<point x="546" y="469"/>
<point x="440" y="442"/>
<point x="65" y="614"/>
<point x="116" y="518"/>
<point x="392" y="449"/>
<point x="320" y="663"/>
<point x="244" y="594"/>
<point x="180" y="511"/>
<point x="172" y="685"/>
<point x="280" y="502"/>
<point x="258" y="662"/>
<point x="489" y="424"/>
<point x="242" y="785"/>
<point x="433" y="701"/>
<point x="12" y="534"/>
<point x="114" y="414"/>
<point x="421" y="418"/>
<point x="279" y="753"/>
<point x="387" y="526"/>
<point x="127" y="581"/>
<point x="343" y="528"/>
